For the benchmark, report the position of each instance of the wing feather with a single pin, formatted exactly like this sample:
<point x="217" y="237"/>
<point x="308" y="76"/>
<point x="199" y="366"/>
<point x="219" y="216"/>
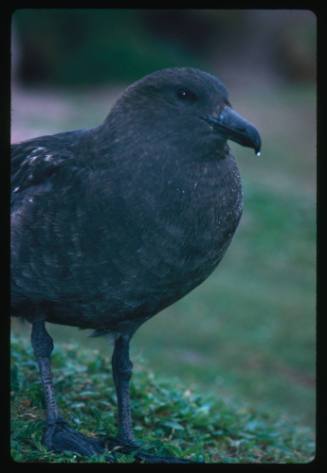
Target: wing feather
<point x="34" y="161"/>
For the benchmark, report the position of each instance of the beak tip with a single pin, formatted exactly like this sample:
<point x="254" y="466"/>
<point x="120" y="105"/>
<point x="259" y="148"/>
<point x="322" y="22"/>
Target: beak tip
<point x="238" y="129"/>
<point x="256" y="141"/>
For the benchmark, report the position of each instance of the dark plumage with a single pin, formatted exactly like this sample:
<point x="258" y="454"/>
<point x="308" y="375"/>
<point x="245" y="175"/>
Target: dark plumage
<point x="111" y="225"/>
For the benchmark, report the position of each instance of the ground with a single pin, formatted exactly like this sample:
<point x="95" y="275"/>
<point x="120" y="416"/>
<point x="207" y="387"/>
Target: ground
<point x="170" y="418"/>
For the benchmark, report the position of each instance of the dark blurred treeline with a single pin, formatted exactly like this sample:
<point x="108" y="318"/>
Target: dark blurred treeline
<point x="93" y="46"/>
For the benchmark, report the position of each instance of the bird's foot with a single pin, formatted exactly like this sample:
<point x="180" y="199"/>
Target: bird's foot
<point x="59" y="437"/>
<point x="140" y="455"/>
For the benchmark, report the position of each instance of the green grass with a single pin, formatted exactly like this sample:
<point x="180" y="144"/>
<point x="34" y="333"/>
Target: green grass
<point x="169" y="417"/>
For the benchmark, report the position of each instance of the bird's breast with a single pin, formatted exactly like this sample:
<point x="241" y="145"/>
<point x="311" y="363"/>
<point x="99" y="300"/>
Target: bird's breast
<point x="187" y="220"/>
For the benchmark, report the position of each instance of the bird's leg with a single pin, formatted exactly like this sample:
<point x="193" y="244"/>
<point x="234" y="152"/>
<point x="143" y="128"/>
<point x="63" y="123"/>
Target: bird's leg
<point x="42" y="345"/>
<point x="122" y="372"/>
<point x="58" y="435"/>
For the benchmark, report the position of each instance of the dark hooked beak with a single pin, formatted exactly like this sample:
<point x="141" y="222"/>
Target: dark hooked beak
<point x="234" y="127"/>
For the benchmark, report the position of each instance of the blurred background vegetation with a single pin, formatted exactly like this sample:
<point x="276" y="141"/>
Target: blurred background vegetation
<point x="248" y="332"/>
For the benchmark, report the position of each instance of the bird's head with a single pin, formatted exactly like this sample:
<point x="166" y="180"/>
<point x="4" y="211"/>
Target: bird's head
<point x="185" y="107"/>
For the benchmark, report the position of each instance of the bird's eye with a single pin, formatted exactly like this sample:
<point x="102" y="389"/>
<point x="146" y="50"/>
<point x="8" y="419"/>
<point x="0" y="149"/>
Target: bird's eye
<point x="186" y="94"/>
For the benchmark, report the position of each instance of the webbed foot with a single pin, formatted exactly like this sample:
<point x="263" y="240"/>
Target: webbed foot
<point x="59" y="437"/>
<point x="140" y="455"/>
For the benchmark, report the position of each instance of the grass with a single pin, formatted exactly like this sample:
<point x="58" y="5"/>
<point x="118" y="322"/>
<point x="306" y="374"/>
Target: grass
<point x="169" y="417"/>
<point x="246" y="335"/>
